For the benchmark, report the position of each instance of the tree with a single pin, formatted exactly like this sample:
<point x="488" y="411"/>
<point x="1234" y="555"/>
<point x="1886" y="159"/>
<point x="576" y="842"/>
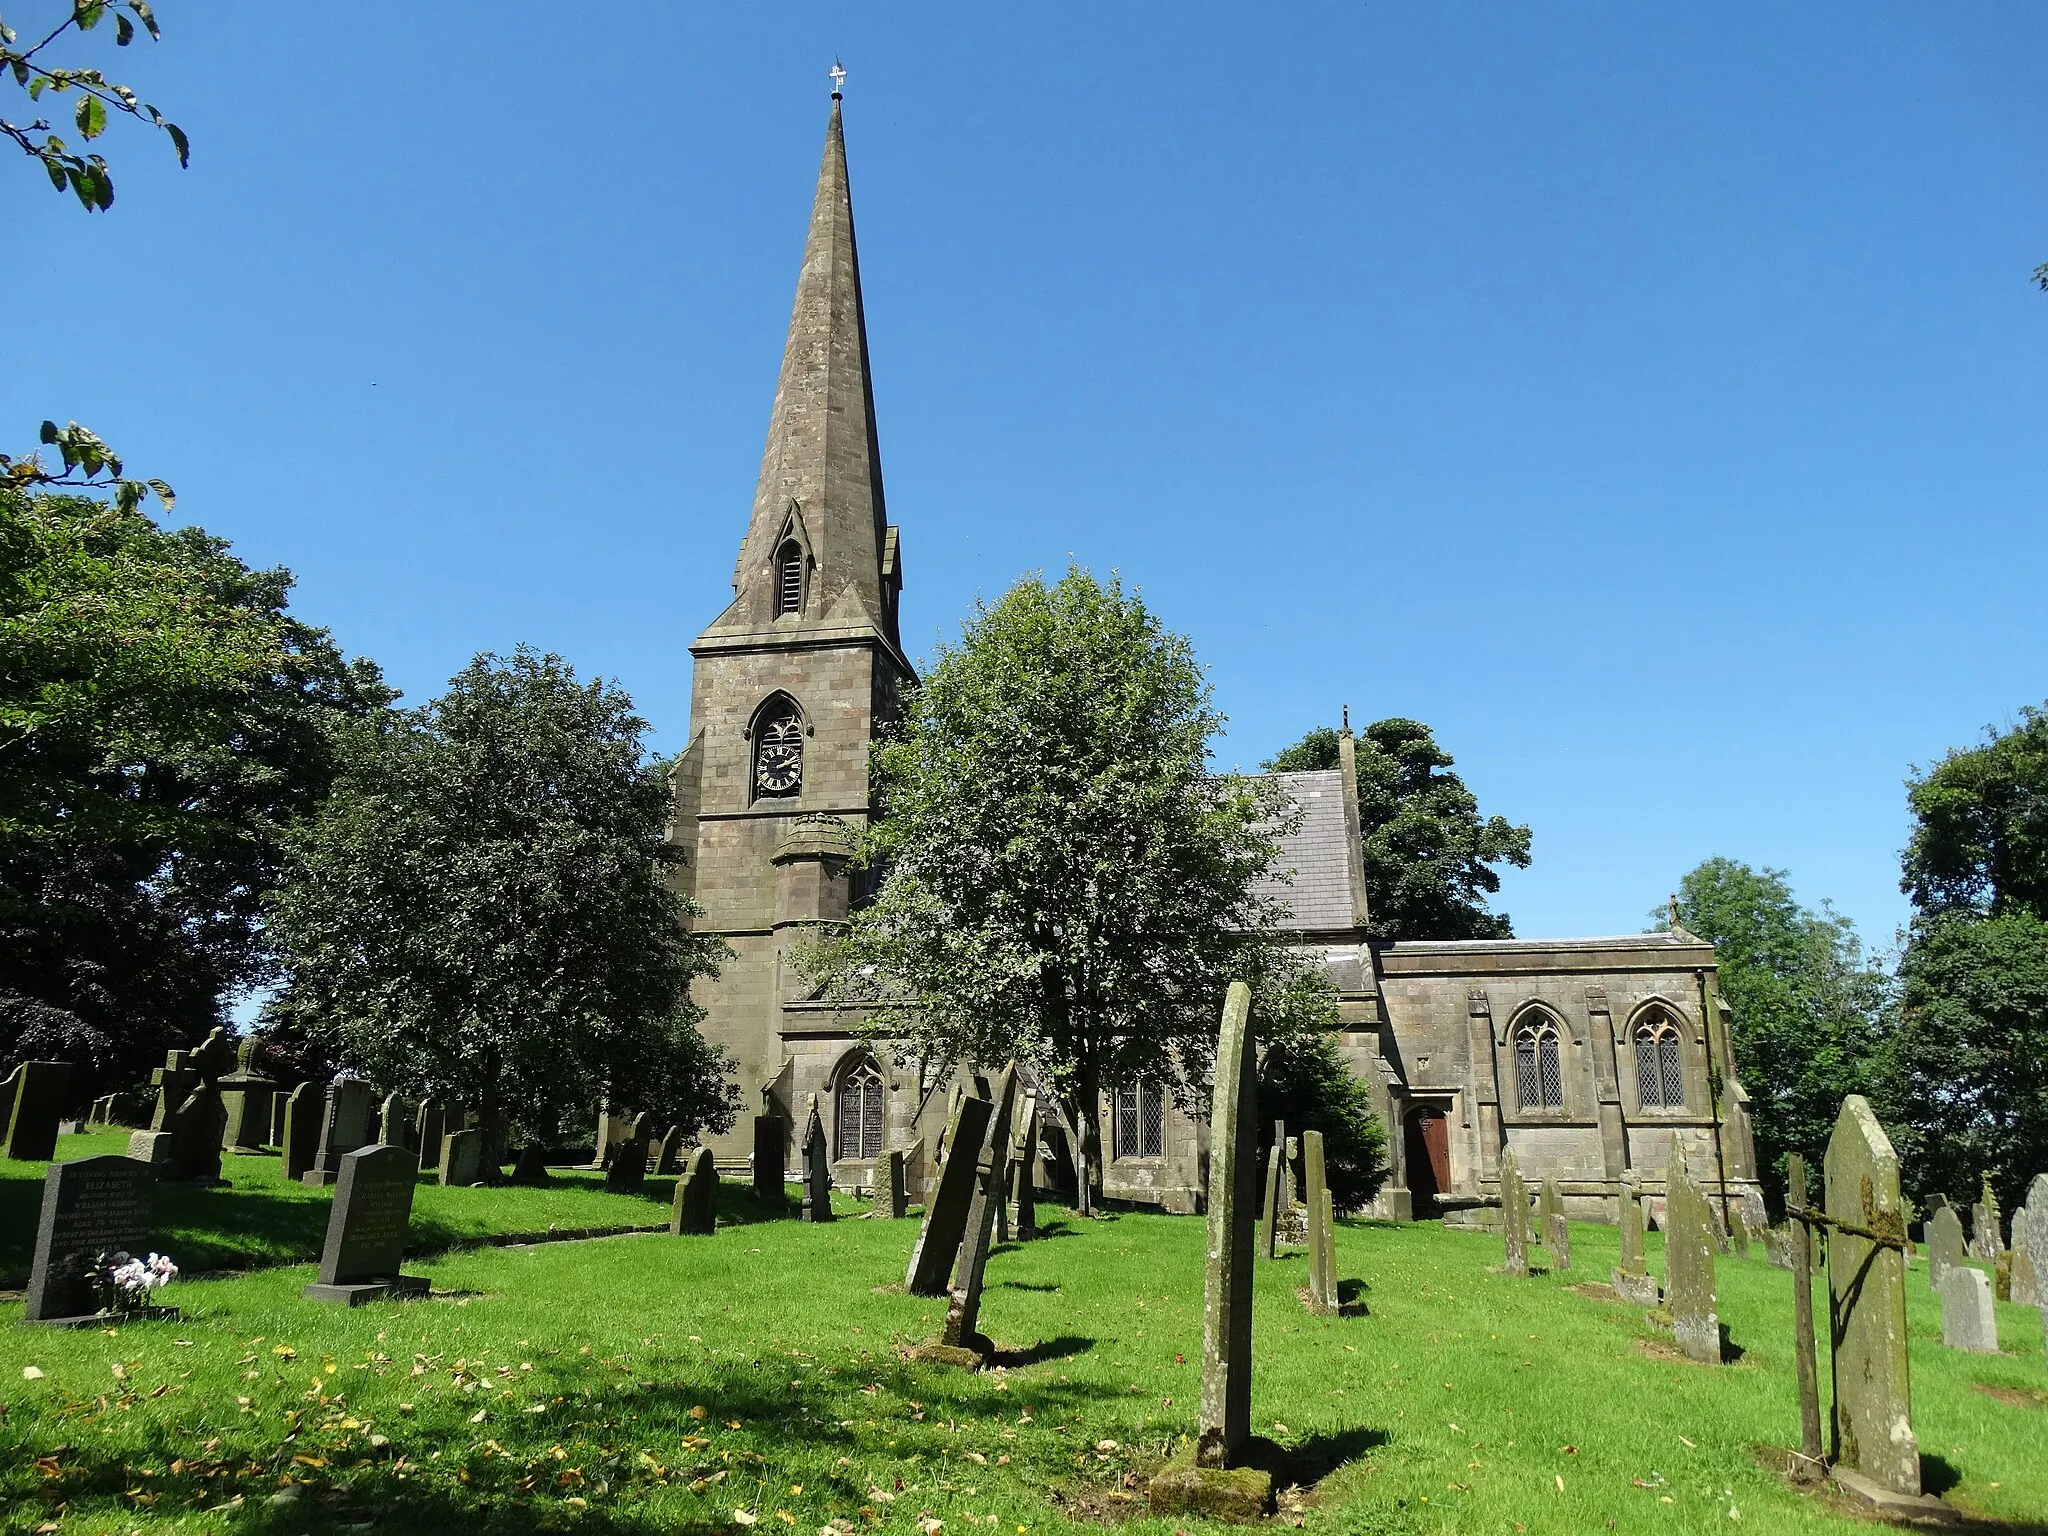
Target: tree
<point x="163" y="719"/>
<point x="1306" y="1082"/>
<point x="1428" y="852"/>
<point x="1062" y="881"/>
<point x="1980" y="835"/>
<point x="1811" y="1015"/>
<point x="480" y="913"/>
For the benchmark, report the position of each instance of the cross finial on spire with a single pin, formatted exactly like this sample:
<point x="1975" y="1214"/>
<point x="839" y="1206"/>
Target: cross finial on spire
<point x="837" y="75"/>
<point x="1347" y="719"/>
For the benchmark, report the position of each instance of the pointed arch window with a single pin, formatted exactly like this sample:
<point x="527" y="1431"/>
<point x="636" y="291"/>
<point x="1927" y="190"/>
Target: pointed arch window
<point x="778" y="749"/>
<point x="789" y="578"/>
<point x="860" y="1113"/>
<point x="1539" y="1070"/>
<point x="1660" y="1079"/>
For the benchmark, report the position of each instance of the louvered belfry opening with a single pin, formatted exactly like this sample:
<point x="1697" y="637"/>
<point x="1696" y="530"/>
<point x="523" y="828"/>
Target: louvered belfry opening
<point x="860" y="1114"/>
<point x="789" y="578"/>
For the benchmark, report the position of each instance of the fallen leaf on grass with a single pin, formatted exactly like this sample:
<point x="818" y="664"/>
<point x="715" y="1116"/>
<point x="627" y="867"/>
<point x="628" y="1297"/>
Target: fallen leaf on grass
<point x="31" y="1373"/>
<point x="741" y="1517"/>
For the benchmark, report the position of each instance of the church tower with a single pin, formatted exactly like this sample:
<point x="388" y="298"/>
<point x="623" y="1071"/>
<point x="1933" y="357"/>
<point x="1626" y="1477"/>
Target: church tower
<point x="791" y="683"/>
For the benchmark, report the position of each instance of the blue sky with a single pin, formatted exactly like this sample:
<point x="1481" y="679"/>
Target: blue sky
<point x="1649" y="398"/>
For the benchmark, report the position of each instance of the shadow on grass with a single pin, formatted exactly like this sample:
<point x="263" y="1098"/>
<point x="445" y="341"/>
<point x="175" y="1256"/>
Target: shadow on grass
<point x="1309" y="1461"/>
<point x="1026" y="1285"/>
<point x="1064" y="1347"/>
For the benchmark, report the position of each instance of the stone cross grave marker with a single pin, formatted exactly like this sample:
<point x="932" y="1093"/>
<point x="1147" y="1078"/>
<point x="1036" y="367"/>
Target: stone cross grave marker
<point x="1226" y="1412"/>
<point x="1945" y="1248"/>
<point x="462" y="1159"/>
<point x="1514" y="1215"/>
<point x="187" y="1148"/>
<point x="245" y="1095"/>
<point x="366" y="1228"/>
<point x="347" y="1121"/>
<point x="300" y="1138"/>
<point x="892" y="1193"/>
<point x="628" y="1170"/>
<point x="1276" y="1188"/>
<point x="1873" y="1428"/>
<point x="962" y="1329"/>
<point x="945" y="1213"/>
<point x="174" y="1082"/>
<point x="34" y="1098"/>
<point x="426" y="1134"/>
<point x="1689" y="1264"/>
<point x="1322" y="1258"/>
<point x="817" y="1150"/>
<point x="398" y="1123"/>
<point x="770" y="1142"/>
<point x="1557" y="1237"/>
<point x="1632" y="1281"/>
<point x="695" y="1213"/>
<point x="1968" y="1318"/>
<point x="93" y="1206"/>
<point x="1024" y="1175"/>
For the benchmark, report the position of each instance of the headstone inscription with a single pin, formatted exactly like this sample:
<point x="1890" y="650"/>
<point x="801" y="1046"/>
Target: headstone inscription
<point x="817" y="1151"/>
<point x="34" y="1098"/>
<point x="300" y="1139"/>
<point x="366" y="1228"/>
<point x="93" y="1206"/>
<point x="245" y="1097"/>
<point x="462" y="1159"/>
<point x="1514" y="1216"/>
<point x="1632" y="1280"/>
<point x="397" y="1123"/>
<point x="1944" y="1244"/>
<point x="1969" y="1320"/>
<point x="770" y="1139"/>
<point x="1276" y="1183"/>
<point x="1024" y="1173"/>
<point x="628" y="1170"/>
<point x="1322" y="1258"/>
<point x="347" y="1121"/>
<point x="962" y="1328"/>
<point x="1226" y="1412"/>
<point x="945" y="1213"/>
<point x="1557" y="1237"/>
<point x="696" y="1206"/>
<point x="1689" y="1264"/>
<point x="892" y="1194"/>
<point x="1875" y="1451"/>
<point x="428" y="1125"/>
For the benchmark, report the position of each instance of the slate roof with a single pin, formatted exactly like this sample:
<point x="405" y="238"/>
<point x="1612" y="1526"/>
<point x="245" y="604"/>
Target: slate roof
<point x="1317" y="853"/>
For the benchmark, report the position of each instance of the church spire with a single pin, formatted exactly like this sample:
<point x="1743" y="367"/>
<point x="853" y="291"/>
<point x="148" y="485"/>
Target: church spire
<point x="820" y="492"/>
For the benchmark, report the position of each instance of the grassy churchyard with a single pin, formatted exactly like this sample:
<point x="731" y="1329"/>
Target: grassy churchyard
<point x="753" y="1379"/>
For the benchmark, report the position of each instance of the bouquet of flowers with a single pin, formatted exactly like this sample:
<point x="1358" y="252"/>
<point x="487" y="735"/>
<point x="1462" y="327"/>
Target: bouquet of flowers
<point x="121" y="1283"/>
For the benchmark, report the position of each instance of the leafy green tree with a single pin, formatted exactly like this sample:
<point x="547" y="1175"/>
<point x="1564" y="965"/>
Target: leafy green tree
<point x="1980" y="833"/>
<point x="1306" y="1082"/>
<point x="1062" y="880"/>
<point x="163" y="720"/>
<point x="1812" y="1016"/>
<point x="479" y="912"/>
<point x="1429" y="854"/>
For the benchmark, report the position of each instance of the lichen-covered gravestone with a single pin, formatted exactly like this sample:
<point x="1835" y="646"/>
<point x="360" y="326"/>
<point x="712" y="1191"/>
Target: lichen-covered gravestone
<point x="2026" y="1280"/>
<point x="1632" y="1280"/>
<point x="1557" y="1237"/>
<point x="462" y="1159"/>
<point x="366" y="1229"/>
<point x="2036" y="1217"/>
<point x="1969" y="1320"/>
<point x="92" y="1206"/>
<point x="1987" y="1225"/>
<point x="245" y="1097"/>
<point x="1514" y="1216"/>
<point x="945" y="1213"/>
<point x="696" y="1206"/>
<point x="1689" y="1264"/>
<point x="892" y="1194"/>
<point x="1944" y="1244"/>
<point x="33" y="1100"/>
<point x="962" y="1328"/>
<point x="346" y="1123"/>
<point x="1322" y="1259"/>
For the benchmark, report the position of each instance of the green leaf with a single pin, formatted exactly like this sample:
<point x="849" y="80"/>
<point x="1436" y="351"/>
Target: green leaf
<point x="124" y="31"/>
<point x="87" y="13"/>
<point x="20" y="68"/>
<point x="146" y="16"/>
<point x="49" y="432"/>
<point x="36" y="87"/>
<point x="92" y="116"/>
<point x="164" y="493"/>
<point x="183" y="144"/>
<point x="55" y="167"/>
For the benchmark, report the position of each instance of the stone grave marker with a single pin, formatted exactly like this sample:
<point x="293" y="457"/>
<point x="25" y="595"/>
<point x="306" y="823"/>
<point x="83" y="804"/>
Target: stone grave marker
<point x="1514" y="1215"/>
<point x="1969" y="1319"/>
<point x="1632" y="1280"/>
<point x="1322" y="1256"/>
<point x="1945" y="1248"/>
<point x="428" y="1125"/>
<point x="300" y="1138"/>
<point x="1799" y="1231"/>
<point x="770" y="1142"/>
<point x="2025" y="1286"/>
<point x="1876" y="1453"/>
<point x="1778" y="1246"/>
<point x="916" y="1176"/>
<point x="279" y="1098"/>
<point x="93" y="1206"/>
<point x="695" y="1213"/>
<point x="462" y="1159"/>
<point x="1276" y="1186"/>
<point x="2035" y="1214"/>
<point x="962" y="1328"/>
<point x="187" y="1148"/>
<point x="892" y="1195"/>
<point x="945" y="1213"/>
<point x="245" y="1096"/>
<point x="1689" y="1264"/>
<point x="1557" y="1237"/>
<point x="366" y="1228"/>
<point x="347" y="1121"/>
<point x="668" y="1157"/>
<point x="1024" y="1173"/>
<point x="817" y="1152"/>
<point x="34" y="1099"/>
<point x="397" y="1123"/>
<point x="628" y="1170"/>
<point x="1293" y="1225"/>
<point x="1987" y="1225"/>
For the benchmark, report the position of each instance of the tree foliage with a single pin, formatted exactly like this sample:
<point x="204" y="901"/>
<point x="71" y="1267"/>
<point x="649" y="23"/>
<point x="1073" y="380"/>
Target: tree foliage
<point x="1980" y="833"/>
<point x="1063" y="881"/>
<point x="163" y="720"/>
<point x="1306" y="1082"/>
<point x="479" y="912"/>
<point x="1429" y="854"/>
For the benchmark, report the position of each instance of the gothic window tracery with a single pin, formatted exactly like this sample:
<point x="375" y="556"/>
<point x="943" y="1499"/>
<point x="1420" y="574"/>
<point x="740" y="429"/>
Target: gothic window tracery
<point x="1539" y="1069"/>
<point x="1660" y="1081"/>
<point x="860" y="1113"/>
<point x="1138" y="1121"/>
<point x="779" y="749"/>
<point x="789" y="578"/>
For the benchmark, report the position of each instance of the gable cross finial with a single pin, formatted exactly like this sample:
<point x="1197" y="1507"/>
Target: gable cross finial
<point x="837" y="75"/>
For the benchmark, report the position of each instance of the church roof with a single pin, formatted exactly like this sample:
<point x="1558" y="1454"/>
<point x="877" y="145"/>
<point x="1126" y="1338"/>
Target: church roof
<point x="1317" y="855"/>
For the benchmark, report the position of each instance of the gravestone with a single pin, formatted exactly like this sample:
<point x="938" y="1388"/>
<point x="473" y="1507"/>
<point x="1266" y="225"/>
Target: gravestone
<point x="628" y="1170"/>
<point x="1632" y="1280"/>
<point x="1226" y="1411"/>
<point x="1514" y="1216"/>
<point x="397" y="1123"/>
<point x="962" y="1328"/>
<point x="945" y="1213"/>
<point x="916" y="1176"/>
<point x="1276" y="1183"/>
<point x="530" y="1166"/>
<point x="174" y="1082"/>
<point x="1557" y="1237"/>
<point x="1024" y="1173"/>
<point x="34" y="1098"/>
<point x="428" y="1125"/>
<point x="93" y="1206"/>
<point x="817" y="1151"/>
<point x="892" y="1195"/>
<point x="1322" y="1255"/>
<point x="770" y="1140"/>
<point x="2035" y="1214"/>
<point x="1944" y="1244"/>
<point x="278" y="1100"/>
<point x="1876" y="1453"/>
<point x="1293" y="1223"/>
<point x="1778" y="1246"/>
<point x="1689" y="1264"/>
<point x="300" y="1138"/>
<point x="668" y="1157"/>
<point x="1987" y="1225"/>
<point x="366" y="1228"/>
<point x="346" y="1123"/>
<point x="695" y="1213"/>
<point x="462" y="1159"/>
<point x="2025" y="1287"/>
<point x="187" y="1149"/>
<point x="1810" y="1462"/>
<point x="1969" y="1319"/>
<point x="245" y="1097"/>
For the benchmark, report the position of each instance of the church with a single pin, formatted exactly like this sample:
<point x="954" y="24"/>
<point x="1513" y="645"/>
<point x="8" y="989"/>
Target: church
<point x="1592" y="1058"/>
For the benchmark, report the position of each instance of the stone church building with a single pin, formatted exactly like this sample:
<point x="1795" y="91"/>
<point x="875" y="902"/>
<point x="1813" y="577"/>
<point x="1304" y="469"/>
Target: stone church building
<point x="1588" y="1056"/>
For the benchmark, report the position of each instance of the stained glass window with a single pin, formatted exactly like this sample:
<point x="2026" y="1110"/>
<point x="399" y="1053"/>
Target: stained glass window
<point x="860" y="1113"/>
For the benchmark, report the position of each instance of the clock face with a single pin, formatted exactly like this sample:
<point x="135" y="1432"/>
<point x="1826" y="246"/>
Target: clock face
<point x="779" y="759"/>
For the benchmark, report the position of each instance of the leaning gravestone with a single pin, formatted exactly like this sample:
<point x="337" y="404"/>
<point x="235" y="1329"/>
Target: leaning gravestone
<point x="93" y="1206"/>
<point x="770" y="1140"/>
<point x="366" y="1229"/>
<point x="1969" y="1320"/>
<point x="817" y="1151"/>
<point x="428" y="1125"/>
<point x="1557" y="1236"/>
<point x="1514" y="1216"/>
<point x="892" y="1198"/>
<point x="668" y="1155"/>
<point x="1689" y="1264"/>
<point x="245" y="1095"/>
<point x="462" y="1159"/>
<point x="695" y="1213"/>
<point x="1276" y="1185"/>
<point x="1024" y="1173"/>
<point x="1322" y="1256"/>
<point x="347" y="1121"/>
<point x="945" y="1213"/>
<point x="1945" y="1248"/>
<point x="1632" y="1280"/>
<point x="962" y="1328"/>
<point x="34" y="1096"/>
<point x="628" y="1170"/>
<point x="300" y="1138"/>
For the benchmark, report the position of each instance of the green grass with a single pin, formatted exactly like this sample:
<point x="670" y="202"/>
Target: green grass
<point x="559" y="1387"/>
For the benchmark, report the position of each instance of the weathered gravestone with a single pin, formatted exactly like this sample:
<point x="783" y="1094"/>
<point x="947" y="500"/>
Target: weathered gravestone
<point x="1876" y="1454"/>
<point x="428" y="1125"/>
<point x="1808" y="1465"/>
<point x="2025" y="1285"/>
<point x="462" y="1159"/>
<point x="1632" y="1280"/>
<point x="347" y="1122"/>
<point x="1276" y="1189"/>
<point x="916" y="1176"/>
<point x="1945" y="1248"/>
<point x="1293" y="1223"/>
<point x="1514" y="1216"/>
<point x="300" y="1139"/>
<point x="817" y="1153"/>
<point x="279" y="1099"/>
<point x="397" y="1123"/>
<point x="366" y="1229"/>
<point x="1024" y="1173"/>
<point x="93" y="1206"/>
<point x="245" y="1096"/>
<point x="892" y="1196"/>
<point x="1689" y="1264"/>
<point x="628" y="1170"/>
<point x="696" y="1208"/>
<point x="33" y="1100"/>
<point x="531" y="1165"/>
<point x="945" y="1213"/>
<point x="961" y="1332"/>
<point x="186" y="1147"/>
<point x="668" y="1155"/>
<point x="1557" y="1237"/>
<point x="1987" y="1225"/>
<point x="1969" y="1319"/>
<point x="2035" y="1214"/>
<point x="770" y="1140"/>
<point x="1322" y="1256"/>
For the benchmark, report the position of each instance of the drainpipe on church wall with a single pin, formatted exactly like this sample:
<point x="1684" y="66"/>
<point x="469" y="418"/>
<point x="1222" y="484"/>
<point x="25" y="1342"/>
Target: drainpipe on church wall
<point x="1707" y="1026"/>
